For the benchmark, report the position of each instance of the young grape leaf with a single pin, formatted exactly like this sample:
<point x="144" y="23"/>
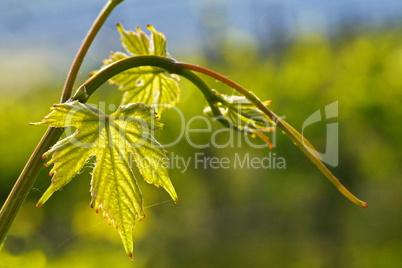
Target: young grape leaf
<point x="114" y="140"/>
<point x="150" y="85"/>
<point x="244" y="116"/>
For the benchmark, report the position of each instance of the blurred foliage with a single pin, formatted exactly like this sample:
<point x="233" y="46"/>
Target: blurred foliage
<point x="234" y="217"/>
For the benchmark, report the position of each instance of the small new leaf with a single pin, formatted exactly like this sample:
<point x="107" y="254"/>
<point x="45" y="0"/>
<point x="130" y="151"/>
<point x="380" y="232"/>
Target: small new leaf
<point x="244" y="116"/>
<point x="150" y="85"/>
<point x="114" y="140"/>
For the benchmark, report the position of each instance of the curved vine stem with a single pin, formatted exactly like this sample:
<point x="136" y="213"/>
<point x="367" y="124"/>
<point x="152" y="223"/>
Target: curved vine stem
<point x="33" y="166"/>
<point x="79" y="58"/>
<point x="28" y="175"/>
<point x="301" y="142"/>
<point x="184" y="69"/>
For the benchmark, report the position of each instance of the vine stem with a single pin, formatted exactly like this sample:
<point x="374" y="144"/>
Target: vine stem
<point x="79" y="58"/>
<point x="184" y="69"/>
<point x="28" y="175"/>
<point x="301" y="142"/>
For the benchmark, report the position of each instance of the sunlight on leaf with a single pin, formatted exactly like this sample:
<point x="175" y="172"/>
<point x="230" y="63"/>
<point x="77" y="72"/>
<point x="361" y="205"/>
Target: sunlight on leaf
<point x="115" y="141"/>
<point x="150" y="85"/>
<point x="244" y="116"/>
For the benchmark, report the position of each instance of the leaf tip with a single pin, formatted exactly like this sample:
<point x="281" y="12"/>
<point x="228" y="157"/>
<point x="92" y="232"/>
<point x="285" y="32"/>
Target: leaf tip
<point x="39" y="204"/>
<point x="44" y="156"/>
<point x="266" y="140"/>
<point x="130" y="255"/>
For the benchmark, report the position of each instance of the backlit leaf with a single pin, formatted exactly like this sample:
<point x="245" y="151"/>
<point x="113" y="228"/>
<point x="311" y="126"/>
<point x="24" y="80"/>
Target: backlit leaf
<point x="243" y="115"/>
<point x="150" y="85"/>
<point x="115" y="141"/>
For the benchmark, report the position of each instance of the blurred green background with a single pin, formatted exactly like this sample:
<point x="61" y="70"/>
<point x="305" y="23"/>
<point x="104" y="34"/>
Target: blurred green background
<point x="289" y="217"/>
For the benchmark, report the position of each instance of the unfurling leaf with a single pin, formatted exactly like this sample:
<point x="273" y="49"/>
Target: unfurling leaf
<point x="114" y="140"/>
<point x="150" y="85"/>
<point x="244" y="116"/>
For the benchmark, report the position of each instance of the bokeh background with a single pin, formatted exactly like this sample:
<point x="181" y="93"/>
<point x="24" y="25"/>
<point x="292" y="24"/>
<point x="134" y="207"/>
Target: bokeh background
<point x="302" y="55"/>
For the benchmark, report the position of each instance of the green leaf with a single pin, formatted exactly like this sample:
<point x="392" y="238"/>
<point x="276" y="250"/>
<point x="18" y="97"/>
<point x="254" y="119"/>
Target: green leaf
<point x="114" y="140"/>
<point x="139" y="44"/>
<point x="242" y="114"/>
<point x="150" y="85"/>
